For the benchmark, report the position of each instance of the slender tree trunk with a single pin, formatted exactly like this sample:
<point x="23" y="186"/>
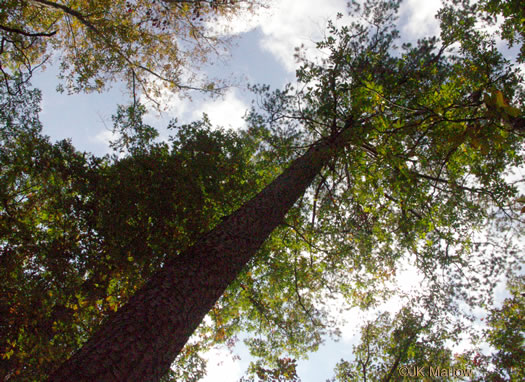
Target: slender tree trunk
<point x="141" y="340"/>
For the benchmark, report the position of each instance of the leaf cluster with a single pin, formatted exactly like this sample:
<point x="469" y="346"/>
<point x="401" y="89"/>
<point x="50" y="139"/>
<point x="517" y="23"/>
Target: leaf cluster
<point x="150" y="44"/>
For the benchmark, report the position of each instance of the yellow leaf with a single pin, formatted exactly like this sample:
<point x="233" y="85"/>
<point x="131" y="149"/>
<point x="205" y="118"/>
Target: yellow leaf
<point x="500" y="101"/>
<point x="8" y="354"/>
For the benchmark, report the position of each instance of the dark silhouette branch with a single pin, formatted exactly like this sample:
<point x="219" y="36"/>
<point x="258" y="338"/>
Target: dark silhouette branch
<point x="27" y="34"/>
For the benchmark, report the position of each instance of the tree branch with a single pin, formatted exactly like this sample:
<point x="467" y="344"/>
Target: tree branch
<point x="69" y="11"/>
<point x="27" y="34"/>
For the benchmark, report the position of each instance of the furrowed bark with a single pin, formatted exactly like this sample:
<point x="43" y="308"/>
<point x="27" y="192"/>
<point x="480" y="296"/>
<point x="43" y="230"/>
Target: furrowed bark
<point x="142" y="339"/>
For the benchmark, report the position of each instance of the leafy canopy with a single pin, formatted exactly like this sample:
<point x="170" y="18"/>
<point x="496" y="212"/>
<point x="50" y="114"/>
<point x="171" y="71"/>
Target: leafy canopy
<point x="79" y="234"/>
<point x="150" y="44"/>
<point x="436" y="127"/>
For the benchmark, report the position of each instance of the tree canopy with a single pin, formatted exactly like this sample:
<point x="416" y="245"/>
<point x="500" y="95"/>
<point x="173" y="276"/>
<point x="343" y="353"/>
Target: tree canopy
<point x="77" y="238"/>
<point x="149" y="44"/>
<point x="432" y="130"/>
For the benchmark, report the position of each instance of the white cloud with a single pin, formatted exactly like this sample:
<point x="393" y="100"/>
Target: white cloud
<point x="287" y="24"/>
<point x="243" y="22"/>
<point x="220" y="363"/>
<point x="295" y="22"/>
<point x="227" y="111"/>
<point x="104" y="137"/>
<point x="418" y="18"/>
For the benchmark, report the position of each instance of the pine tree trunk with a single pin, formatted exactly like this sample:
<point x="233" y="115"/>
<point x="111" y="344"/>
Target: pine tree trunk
<point x="141" y="340"/>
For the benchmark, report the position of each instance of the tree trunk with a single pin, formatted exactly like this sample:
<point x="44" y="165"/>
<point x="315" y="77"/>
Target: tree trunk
<point x="141" y="340"/>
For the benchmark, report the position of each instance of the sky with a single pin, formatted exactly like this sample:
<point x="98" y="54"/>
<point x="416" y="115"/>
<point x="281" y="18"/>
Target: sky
<point x="263" y="53"/>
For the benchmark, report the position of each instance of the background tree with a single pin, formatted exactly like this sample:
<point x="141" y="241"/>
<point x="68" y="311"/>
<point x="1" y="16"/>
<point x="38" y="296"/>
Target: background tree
<point x="392" y="347"/>
<point x="505" y="334"/>
<point x="403" y="343"/>
<point x="79" y="234"/>
<point x="150" y="44"/>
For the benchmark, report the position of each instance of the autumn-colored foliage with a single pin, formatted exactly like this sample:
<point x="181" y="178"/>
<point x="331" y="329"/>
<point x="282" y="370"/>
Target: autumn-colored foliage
<point x="150" y="44"/>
